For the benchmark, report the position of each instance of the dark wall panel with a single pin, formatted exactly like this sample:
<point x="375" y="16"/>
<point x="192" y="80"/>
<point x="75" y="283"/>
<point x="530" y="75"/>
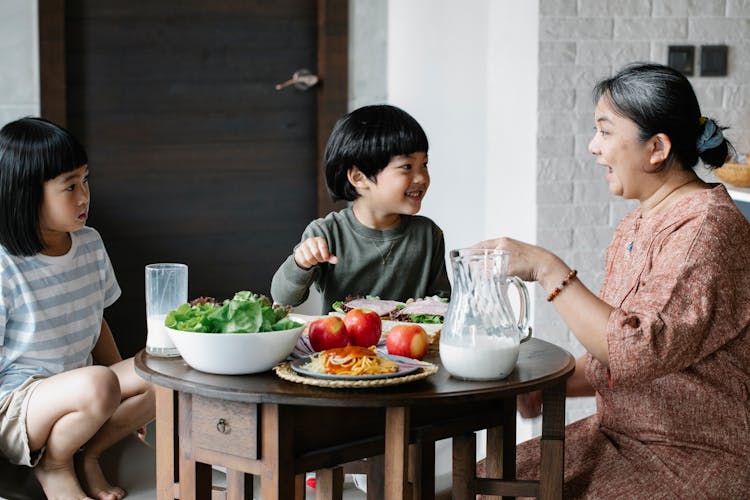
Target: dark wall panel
<point x="194" y="156"/>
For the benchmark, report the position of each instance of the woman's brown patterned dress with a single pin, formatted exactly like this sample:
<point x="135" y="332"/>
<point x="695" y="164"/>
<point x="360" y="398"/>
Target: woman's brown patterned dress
<point x="673" y="412"/>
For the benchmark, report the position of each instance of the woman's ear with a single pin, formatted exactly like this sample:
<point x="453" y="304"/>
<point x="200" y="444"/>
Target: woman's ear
<point x="661" y="146"/>
<point x="356" y="177"/>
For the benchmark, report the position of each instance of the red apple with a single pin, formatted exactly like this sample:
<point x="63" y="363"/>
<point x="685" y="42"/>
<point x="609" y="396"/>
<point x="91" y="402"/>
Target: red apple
<point x="328" y="333"/>
<point x="407" y="340"/>
<point x="363" y="326"/>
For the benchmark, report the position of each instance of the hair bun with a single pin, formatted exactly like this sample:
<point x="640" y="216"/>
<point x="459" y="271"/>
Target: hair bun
<point x="711" y="135"/>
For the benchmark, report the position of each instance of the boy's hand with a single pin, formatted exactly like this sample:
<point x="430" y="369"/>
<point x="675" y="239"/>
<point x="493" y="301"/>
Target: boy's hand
<point x="313" y="251"/>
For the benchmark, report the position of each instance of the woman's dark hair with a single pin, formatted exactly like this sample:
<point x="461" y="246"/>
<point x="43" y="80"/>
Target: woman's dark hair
<point x="32" y="151"/>
<point x="660" y="99"/>
<point x="368" y="138"/>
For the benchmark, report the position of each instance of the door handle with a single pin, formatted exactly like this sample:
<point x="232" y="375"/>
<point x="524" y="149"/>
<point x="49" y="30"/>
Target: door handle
<point x="302" y="79"/>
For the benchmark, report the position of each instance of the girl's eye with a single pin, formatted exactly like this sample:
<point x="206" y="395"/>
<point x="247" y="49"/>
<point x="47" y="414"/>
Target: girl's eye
<point x="406" y="167"/>
<point x="72" y="187"/>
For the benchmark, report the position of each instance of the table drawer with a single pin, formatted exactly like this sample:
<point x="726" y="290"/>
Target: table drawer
<point x="227" y="427"/>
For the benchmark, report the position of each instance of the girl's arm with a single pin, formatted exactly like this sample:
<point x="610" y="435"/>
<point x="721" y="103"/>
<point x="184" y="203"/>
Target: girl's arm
<point x="105" y="351"/>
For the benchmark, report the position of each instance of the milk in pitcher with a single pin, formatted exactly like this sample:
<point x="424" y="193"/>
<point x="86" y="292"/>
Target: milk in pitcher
<point x="490" y="358"/>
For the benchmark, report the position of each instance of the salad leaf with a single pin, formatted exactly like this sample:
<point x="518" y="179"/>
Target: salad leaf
<point x="246" y="312"/>
<point x="432" y="319"/>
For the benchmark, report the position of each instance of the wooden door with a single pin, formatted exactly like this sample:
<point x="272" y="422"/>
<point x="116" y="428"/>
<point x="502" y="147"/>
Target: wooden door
<point x="194" y="156"/>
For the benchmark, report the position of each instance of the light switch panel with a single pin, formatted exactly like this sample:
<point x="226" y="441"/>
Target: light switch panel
<point x="682" y="58"/>
<point x="714" y="60"/>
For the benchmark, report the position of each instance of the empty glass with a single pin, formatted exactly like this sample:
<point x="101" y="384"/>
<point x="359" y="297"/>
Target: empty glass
<point x="166" y="289"/>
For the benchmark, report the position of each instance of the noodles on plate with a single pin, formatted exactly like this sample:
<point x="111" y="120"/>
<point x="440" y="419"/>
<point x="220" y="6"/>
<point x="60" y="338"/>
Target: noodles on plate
<point x="351" y="360"/>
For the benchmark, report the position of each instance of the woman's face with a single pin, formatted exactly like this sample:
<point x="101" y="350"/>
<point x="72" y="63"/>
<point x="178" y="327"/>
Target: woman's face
<point x="617" y="148"/>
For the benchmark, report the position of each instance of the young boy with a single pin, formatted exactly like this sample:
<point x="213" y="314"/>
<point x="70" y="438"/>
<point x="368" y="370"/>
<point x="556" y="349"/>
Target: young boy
<point x="376" y="158"/>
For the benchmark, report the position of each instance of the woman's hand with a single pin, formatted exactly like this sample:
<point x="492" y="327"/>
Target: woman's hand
<point x="529" y="404"/>
<point x="528" y="262"/>
<point x="313" y="251"/>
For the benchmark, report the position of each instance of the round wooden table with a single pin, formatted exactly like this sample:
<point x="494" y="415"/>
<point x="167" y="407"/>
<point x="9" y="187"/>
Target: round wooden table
<point x="263" y="425"/>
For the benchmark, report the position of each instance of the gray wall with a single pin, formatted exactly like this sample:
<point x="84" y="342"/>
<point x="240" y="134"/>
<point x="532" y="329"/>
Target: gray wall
<point x="582" y="41"/>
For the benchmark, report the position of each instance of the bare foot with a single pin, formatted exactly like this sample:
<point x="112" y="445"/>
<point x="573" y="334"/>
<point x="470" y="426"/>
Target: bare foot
<point x="59" y="482"/>
<point x="95" y="482"/>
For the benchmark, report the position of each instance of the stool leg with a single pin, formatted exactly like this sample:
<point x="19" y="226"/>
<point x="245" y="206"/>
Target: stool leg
<point x="299" y="486"/>
<point x="422" y="469"/>
<point x="376" y="477"/>
<point x="464" y="466"/>
<point x="239" y="485"/>
<point x="329" y="483"/>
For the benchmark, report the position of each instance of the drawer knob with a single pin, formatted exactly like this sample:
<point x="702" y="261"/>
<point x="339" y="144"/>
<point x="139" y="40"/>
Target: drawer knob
<point x="222" y="426"/>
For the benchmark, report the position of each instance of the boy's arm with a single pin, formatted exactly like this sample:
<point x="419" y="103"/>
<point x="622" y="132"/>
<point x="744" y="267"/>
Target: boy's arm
<point x="290" y="285"/>
<point x="439" y="283"/>
<point x="105" y="351"/>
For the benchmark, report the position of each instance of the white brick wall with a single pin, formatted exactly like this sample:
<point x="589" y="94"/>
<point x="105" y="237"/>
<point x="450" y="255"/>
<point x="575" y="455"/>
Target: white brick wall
<point x="19" y="49"/>
<point x="580" y="42"/>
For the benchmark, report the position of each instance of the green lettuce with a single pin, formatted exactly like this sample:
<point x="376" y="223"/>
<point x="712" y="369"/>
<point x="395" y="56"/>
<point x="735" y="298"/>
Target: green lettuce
<point x="246" y="312"/>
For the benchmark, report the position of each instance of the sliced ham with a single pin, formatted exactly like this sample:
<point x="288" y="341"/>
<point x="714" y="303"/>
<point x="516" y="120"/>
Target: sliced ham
<point x="425" y="306"/>
<point x="382" y="307"/>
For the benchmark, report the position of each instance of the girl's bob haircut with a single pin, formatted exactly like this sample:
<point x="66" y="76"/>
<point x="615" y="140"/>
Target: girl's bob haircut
<point x="367" y="138"/>
<point x="32" y="151"/>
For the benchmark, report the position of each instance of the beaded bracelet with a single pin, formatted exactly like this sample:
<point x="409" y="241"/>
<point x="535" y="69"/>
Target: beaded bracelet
<point x="572" y="274"/>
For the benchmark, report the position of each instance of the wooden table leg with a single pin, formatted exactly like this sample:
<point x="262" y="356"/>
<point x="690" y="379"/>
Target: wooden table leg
<point x="553" y="442"/>
<point x="277" y="456"/>
<point x="464" y="466"/>
<point x="396" y="452"/>
<point x="166" y="440"/>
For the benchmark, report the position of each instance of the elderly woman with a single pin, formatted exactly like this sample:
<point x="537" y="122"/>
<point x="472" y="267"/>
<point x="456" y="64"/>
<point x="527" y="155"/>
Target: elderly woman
<point x="668" y="337"/>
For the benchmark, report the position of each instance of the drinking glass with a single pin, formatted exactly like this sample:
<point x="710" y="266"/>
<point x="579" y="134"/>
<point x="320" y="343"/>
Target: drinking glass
<point x="166" y="289"/>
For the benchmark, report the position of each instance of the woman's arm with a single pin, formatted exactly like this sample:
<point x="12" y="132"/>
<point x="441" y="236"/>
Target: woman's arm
<point x="105" y="351"/>
<point x="585" y="314"/>
<point x="577" y="385"/>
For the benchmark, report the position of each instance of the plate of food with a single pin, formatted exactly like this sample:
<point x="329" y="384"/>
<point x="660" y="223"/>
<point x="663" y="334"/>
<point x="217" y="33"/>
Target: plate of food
<point x="355" y="363"/>
<point x="427" y="312"/>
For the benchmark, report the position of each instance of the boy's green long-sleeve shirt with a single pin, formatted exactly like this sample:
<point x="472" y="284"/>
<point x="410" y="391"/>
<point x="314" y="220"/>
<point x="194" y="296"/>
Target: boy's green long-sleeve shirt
<point x="404" y="262"/>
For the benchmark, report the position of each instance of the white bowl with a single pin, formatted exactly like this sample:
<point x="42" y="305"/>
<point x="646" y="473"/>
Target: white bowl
<point x="235" y="353"/>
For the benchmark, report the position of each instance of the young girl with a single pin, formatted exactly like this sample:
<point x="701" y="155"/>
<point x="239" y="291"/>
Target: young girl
<point x="66" y="395"/>
<point x="376" y="157"/>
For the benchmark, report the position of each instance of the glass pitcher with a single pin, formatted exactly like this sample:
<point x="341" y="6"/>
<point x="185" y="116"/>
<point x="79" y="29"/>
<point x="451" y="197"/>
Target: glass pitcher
<point x="481" y="335"/>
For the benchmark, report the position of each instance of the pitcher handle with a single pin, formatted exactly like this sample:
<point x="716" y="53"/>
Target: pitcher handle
<point x="523" y="294"/>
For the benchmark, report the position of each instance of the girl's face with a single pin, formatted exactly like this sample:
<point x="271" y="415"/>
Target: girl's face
<point x="400" y="187"/>
<point x="65" y="203"/>
<point x="617" y="148"/>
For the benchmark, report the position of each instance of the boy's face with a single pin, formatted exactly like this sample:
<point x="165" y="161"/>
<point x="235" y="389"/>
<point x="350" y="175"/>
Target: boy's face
<point x="400" y="187"/>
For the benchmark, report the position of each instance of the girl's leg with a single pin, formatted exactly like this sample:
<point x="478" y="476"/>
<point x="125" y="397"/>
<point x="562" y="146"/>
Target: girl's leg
<point x="63" y="413"/>
<point x="136" y="408"/>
